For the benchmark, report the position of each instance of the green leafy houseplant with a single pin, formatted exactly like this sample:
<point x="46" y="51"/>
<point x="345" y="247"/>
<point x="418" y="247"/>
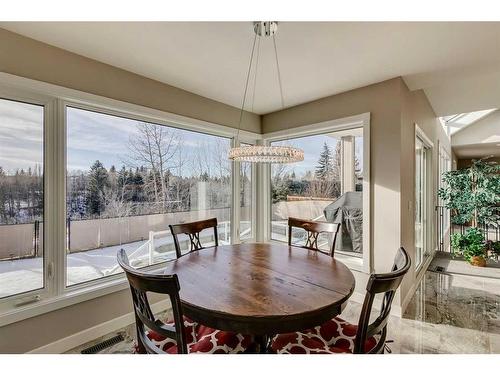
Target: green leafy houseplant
<point x="472" y="194"/>
<point x="457" y="242"/>
<point x="469" y="244"/>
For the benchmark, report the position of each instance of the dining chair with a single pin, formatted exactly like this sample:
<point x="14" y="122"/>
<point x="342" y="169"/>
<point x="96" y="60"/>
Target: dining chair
<point x="340" y="336"/>
<point x="157" y="337"/>
<point x="193" y="230"/>
<point x="313" y="230"/>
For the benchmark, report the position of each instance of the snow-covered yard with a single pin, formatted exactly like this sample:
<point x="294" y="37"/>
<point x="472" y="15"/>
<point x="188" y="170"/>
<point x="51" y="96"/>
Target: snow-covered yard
<point x="22" y="275"/>
<point x="17" y="276"/>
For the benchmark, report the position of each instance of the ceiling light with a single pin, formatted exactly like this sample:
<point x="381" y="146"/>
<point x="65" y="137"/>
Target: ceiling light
<point x="264" y="154"/>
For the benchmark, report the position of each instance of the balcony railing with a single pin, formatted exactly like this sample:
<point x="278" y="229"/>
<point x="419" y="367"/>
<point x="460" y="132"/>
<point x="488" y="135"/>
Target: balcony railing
<point x="446" y="228"/>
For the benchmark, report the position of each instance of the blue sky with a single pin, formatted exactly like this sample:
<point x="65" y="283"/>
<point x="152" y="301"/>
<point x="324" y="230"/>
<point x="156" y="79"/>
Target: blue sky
<point x="94" y="136"/>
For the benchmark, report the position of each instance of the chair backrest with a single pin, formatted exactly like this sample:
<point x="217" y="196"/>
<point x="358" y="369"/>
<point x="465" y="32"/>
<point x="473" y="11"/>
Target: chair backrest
<point x="193" y="230"/>
<point x="313" y="230"/>
<point x="140" y="284"/>
<point x="386" y="283"/>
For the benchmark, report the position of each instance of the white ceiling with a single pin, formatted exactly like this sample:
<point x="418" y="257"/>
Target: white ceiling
<point x="477" y="151"/>
<point x="457" y="64"/>
<point x="479" y="139"/>
<point x="461" y="121"/>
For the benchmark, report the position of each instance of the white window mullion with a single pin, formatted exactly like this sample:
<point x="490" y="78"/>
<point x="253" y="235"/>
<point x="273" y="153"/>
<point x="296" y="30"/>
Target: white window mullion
<point x="49" y="199"/>
<point x="235" y="197"/>
<point x="253" y="216"/>
<point x="263" y="200"/>
<point x="60" y="199"/>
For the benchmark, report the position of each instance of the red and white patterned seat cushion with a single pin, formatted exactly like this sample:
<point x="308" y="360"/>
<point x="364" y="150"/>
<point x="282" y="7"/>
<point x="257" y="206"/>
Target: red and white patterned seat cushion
<point x="202" y="339"/>
<point x="334" y="336"/>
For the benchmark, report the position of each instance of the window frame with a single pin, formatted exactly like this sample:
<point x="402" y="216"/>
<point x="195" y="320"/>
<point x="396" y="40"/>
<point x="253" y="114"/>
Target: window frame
<point x="444" y="165"/>
<point x="365" y="263"/>
<point x="429" y="235"/>
<point x="48" y="103"/>
<point x="55" y="100"/>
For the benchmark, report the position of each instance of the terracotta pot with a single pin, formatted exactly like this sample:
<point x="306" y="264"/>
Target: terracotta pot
<point x="478" y="261"/>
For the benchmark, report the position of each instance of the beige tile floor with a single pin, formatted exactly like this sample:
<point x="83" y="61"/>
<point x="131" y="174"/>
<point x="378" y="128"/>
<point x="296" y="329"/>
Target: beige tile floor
<point x="449" y="313"/>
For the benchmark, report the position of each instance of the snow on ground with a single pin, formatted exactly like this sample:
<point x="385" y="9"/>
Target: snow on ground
<point x="22" y="275"/>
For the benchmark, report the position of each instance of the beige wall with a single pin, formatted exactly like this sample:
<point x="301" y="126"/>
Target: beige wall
<point x="416" y="109"/>
<point x="454" y="161"/>
<point x="29" y="58"/>
<point x="43" y="329"/>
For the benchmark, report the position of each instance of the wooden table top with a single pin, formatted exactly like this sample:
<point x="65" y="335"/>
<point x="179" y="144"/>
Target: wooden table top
<point x="261" y="288"/>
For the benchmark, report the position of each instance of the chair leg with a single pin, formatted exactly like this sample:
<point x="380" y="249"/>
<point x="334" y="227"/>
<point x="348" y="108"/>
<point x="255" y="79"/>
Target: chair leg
<point x="139" y="346"/>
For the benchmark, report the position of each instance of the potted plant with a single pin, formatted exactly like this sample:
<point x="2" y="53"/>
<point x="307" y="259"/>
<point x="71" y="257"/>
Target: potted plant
<point x="471" y="246"/>
<point x="472" y="195"/>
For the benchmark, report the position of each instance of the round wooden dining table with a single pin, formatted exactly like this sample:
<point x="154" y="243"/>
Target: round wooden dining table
<point x="261" y="289"/>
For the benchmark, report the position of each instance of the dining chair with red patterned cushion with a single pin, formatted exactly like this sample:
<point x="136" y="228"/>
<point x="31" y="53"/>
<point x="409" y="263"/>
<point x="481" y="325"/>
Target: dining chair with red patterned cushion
<point x="339" y="336"/>
<point x="312" y="231"/>
<point x="180" y="335"/>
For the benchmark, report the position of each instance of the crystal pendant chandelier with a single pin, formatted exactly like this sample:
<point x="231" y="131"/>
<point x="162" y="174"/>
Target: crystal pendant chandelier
<point x="257" y="153"/>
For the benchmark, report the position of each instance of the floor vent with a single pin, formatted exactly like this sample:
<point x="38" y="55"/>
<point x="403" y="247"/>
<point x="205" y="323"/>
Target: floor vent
<point x="439" y="269"/>
<point x="103" y="345"/>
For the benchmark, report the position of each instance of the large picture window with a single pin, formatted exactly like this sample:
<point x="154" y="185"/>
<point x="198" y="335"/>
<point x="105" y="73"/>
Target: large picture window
<point x="128" y="180"/>
<point x="327" y="186"/>
<point x="83" y="176"/>
<point x="21" y="198"/>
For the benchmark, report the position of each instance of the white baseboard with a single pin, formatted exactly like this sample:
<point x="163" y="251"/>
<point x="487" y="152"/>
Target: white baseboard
<point x="92" y="333"/>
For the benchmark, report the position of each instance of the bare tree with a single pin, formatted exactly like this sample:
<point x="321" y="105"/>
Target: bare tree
<point x="201" y="161"/>
<point x="156" y="148"/>
<point x="115" y="202"/>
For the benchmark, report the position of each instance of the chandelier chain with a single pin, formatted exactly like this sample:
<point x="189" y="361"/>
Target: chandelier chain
<point x="255" y="75"/>
<point x="263" y="153"/>
<point x="279" y="73"/>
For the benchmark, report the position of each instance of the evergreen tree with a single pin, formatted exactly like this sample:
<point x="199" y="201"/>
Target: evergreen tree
<point x="97" y="181"/>
<point x="138" y="187"/>
<point x="324" y="167"/>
